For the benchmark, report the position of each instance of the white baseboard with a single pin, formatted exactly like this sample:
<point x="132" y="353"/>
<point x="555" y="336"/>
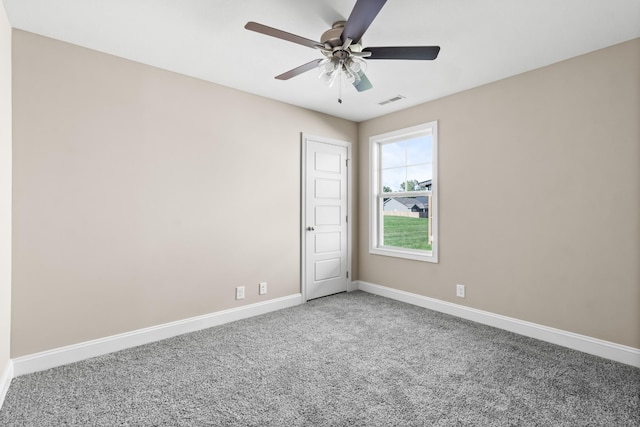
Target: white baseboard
<point x="5" y="380"/>
<point x="597" y="347"/>
<point x="85" y="350"/>
<point x="77" y="352"/>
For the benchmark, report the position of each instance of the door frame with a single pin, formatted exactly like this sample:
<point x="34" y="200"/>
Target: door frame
<point x="305" y="138"/>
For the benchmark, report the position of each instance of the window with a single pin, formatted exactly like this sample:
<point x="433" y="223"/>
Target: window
<point x="404" y="188"/>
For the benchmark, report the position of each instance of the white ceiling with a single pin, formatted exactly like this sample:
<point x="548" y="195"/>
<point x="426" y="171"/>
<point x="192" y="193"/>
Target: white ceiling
<point x="482" y="41"/>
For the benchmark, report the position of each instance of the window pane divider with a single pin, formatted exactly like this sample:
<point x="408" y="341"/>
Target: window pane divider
<point x="405" y="194"/>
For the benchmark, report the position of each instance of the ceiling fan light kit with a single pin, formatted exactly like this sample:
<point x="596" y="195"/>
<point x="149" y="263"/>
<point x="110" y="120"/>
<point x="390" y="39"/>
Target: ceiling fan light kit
<point x="352" y="68"/>
<point x="342" y="47"/>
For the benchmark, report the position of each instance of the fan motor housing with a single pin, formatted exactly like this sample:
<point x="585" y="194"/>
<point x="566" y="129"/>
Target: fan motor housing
<point x="332" y="36"/>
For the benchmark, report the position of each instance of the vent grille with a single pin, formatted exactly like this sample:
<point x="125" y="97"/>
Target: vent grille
<point x="390" y="100"/>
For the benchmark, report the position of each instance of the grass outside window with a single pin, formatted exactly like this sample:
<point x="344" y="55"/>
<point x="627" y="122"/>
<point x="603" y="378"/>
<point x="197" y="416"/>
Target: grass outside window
<point x="406" y="232"/>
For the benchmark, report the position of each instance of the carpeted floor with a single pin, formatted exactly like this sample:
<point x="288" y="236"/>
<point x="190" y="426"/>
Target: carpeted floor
<point x="347" y="360"/>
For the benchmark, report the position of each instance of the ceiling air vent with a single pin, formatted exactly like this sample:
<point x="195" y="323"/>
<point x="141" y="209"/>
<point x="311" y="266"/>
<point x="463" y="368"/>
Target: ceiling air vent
<point x="390" y="100"/>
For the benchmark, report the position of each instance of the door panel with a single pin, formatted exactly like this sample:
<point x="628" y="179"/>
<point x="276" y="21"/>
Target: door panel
<point x="327" y="242"/>
<point x="325" y="228"/>
<point x="327" y="215"/>
<point x="327" y="162"/>
<point x="328" y="188"/>
<point x="327" y="269"/>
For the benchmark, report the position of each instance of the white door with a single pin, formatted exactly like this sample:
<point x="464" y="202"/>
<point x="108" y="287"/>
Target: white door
<point x="325" y="217"/>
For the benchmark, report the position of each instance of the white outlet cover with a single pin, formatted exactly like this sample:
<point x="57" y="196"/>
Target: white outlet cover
<point x="263" y="288"/>
<point x="460" y="291"/>
<point x="240" y="292"/>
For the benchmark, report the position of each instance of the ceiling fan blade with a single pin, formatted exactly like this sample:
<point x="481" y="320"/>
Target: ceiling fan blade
<point x="363" y="84"/>
<point x="362" y="15"/>
<point x="403" y="52"/>
<point x="279" y="34"/>
<point x="299" y="70"/>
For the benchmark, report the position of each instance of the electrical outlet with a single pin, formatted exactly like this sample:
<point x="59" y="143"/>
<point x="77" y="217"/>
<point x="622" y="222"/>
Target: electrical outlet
<point x="263" y="288"/>
<point x="240" y="292"/>
<point x="460" y="291"/>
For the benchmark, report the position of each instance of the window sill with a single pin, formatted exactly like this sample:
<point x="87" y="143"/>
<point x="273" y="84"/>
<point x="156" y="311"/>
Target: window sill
<point x="425" y="256"/>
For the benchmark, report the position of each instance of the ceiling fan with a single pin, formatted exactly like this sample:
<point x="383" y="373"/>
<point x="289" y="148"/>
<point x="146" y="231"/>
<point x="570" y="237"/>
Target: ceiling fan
<point x="342" y="47"/>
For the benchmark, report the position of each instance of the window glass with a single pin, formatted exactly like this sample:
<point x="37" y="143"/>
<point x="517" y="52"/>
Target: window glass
<point x="406" y="222"/>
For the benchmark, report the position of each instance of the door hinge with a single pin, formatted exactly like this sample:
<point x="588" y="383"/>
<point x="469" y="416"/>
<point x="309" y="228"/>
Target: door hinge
<point x="346" y="162"/>
<point x="346" y="218"/>
<point x="347" y="274"/>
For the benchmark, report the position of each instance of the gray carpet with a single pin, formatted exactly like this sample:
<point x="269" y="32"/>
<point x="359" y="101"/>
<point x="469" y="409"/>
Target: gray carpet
<point x="346" y="360"/>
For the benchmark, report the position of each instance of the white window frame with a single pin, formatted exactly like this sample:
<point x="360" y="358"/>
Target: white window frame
<point x="376" y="196"/>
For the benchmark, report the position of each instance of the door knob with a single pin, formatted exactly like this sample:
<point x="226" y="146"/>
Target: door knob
<point x="310" y="228"/>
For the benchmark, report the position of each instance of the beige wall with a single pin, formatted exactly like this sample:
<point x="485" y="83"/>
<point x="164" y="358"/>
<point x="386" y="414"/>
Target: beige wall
<point x="539" y="197"/>
<point x="143" y="196"/>
<point x="5" y="189"/>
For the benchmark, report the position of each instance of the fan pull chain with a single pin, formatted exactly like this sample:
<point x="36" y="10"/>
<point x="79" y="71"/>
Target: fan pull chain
<point x="340" y="81"/>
